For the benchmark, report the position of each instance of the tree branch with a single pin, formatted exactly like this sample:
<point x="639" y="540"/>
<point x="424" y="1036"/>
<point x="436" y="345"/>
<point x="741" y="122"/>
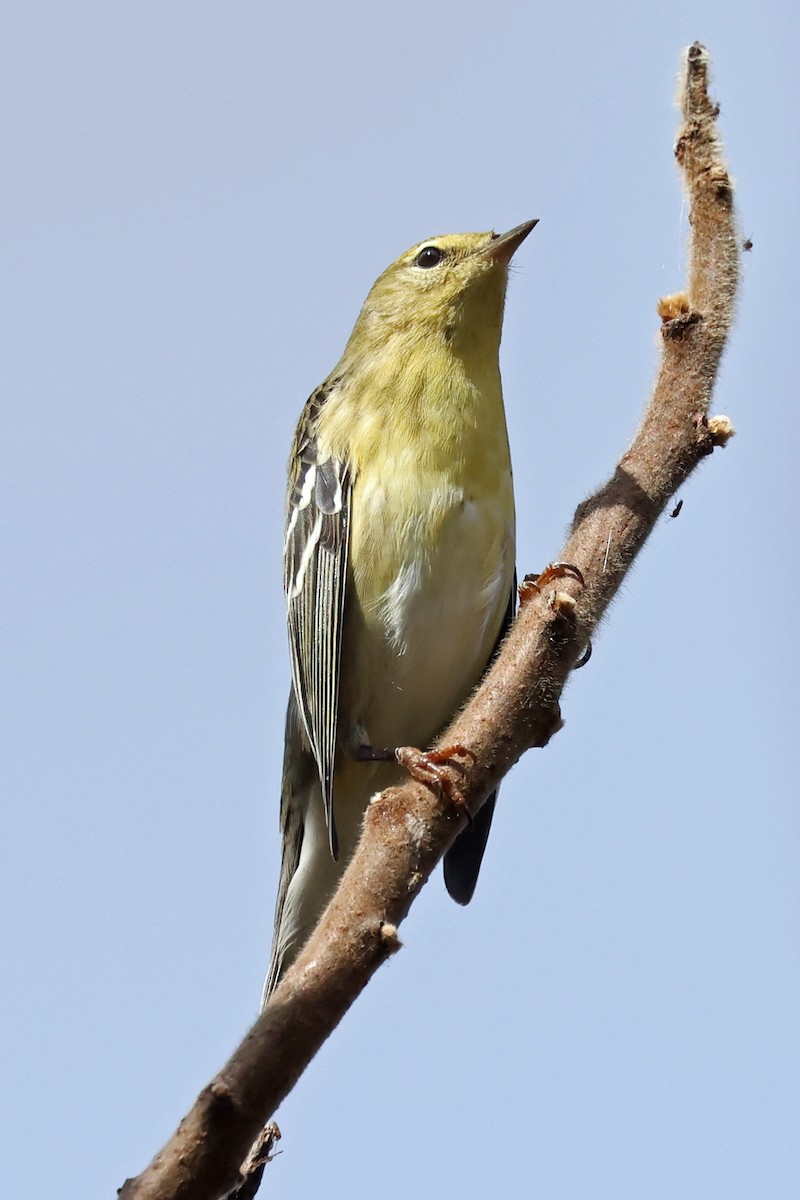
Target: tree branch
<point x="408" y="828"/>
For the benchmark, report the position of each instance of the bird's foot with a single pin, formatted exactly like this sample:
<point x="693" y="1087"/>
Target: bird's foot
<point x="533" y="584"/>
<point x="426" y="766"/>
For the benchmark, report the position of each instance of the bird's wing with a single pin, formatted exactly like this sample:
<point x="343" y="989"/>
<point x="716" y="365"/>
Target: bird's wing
<point x="314" y="575"/>
<point x="462" y="862"/>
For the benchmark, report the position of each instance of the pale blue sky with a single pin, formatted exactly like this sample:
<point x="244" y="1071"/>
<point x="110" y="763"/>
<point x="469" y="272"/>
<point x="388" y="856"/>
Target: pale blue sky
<point x="197" y="198"/>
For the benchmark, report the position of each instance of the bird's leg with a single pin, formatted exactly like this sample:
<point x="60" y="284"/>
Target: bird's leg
<point x="374" y="754"/>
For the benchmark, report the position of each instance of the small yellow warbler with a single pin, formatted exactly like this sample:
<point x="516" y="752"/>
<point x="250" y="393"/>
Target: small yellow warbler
<point x="398" y="560"/>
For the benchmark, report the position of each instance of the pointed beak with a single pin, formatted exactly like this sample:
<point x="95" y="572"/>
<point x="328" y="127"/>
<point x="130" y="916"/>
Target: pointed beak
<point x="503" y="246"/>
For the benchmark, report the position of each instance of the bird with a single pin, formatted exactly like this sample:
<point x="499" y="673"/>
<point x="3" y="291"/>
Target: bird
<point x="399" y="559"/>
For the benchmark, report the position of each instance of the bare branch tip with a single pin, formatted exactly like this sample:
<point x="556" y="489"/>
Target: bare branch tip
<point x="697" y="55"/>
<point x="693" y="96"/>
<point x="696" y="70"/>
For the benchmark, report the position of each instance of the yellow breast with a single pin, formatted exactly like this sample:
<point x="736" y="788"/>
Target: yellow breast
<point x="432" y="540"/>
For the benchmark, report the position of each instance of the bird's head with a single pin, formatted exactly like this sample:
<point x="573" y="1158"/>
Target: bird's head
<point x="451" y="286"/>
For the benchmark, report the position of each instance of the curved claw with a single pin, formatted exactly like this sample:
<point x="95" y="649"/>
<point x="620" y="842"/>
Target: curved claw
<point x="556" y="570"/>
<point x="559" y="570"/>
<point x="584" y="658"/>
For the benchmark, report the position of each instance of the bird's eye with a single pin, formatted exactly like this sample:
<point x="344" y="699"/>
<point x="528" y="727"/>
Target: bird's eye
<point x="429" y="256"/>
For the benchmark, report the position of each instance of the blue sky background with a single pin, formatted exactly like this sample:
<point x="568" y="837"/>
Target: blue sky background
<point x="197" y="198"/>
